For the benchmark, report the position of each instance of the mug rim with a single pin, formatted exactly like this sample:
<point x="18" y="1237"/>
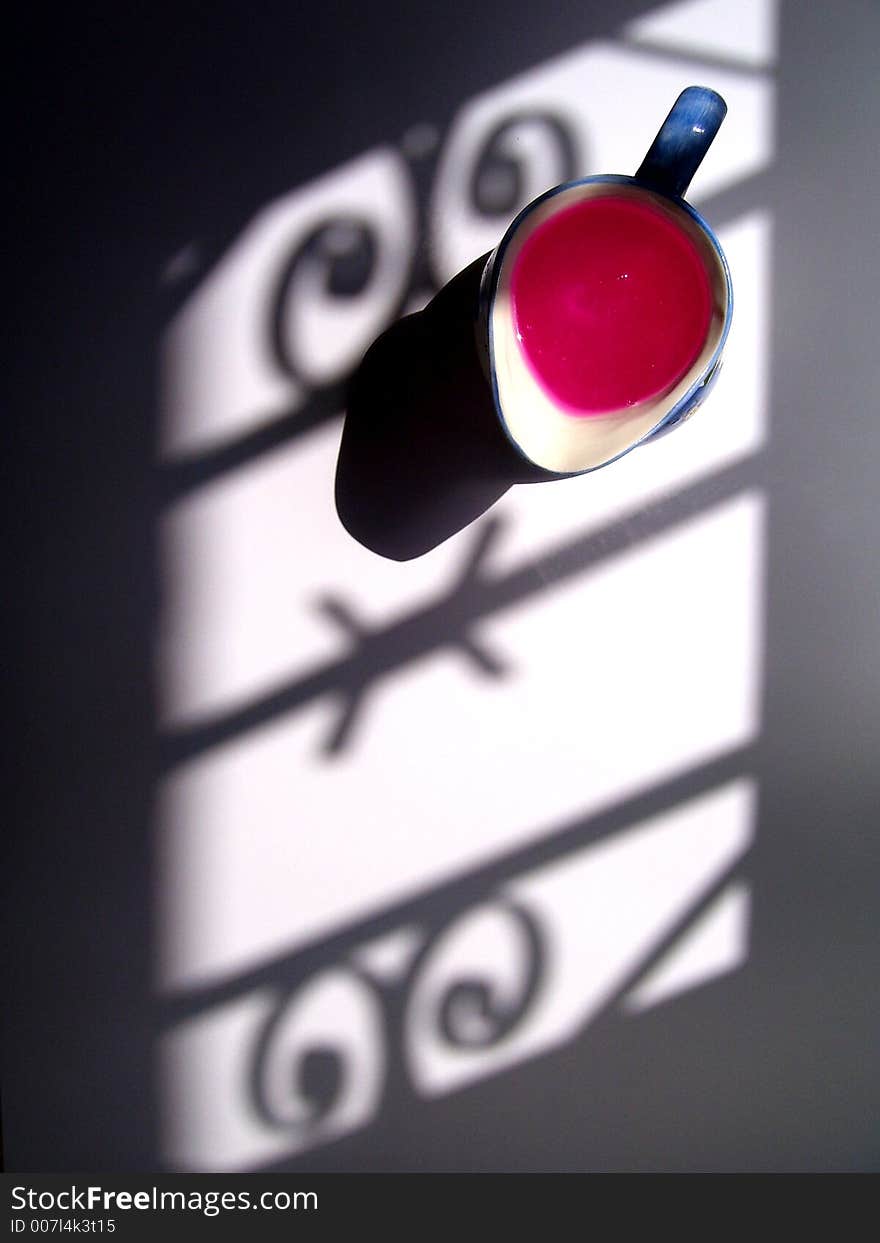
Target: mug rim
<point x="492" y="274"/>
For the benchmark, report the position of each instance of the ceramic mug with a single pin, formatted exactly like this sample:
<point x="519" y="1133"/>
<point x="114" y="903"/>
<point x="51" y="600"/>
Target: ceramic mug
<point x="605" y="308"/>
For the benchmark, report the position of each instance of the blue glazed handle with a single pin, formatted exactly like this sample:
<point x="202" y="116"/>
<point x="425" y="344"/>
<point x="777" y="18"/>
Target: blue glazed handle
<point x="684" y="138"/>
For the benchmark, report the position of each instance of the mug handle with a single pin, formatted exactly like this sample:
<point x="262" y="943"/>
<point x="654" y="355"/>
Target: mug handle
<point x="683" y="139"/>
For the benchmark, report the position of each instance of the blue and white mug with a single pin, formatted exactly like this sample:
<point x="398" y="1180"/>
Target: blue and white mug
<point x="545" y="434"/>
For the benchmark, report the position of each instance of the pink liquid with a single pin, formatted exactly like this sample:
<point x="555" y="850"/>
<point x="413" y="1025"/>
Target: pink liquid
<point x="611" y="304"/>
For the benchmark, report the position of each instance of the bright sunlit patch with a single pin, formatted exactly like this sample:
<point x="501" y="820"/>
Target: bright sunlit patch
<point x="622" y="613"/>
<point x="745" y="31"/>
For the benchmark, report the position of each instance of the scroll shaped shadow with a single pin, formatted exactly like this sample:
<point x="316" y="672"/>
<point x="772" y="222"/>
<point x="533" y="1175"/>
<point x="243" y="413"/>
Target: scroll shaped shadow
<point x="422" y="452"/>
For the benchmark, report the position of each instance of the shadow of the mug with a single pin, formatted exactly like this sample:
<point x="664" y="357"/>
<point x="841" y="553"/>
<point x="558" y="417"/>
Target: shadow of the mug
<point x="422" y="452"/>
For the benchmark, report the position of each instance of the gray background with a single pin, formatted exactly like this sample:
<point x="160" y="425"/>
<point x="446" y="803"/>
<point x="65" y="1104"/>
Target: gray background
<point x="127" y="129"/>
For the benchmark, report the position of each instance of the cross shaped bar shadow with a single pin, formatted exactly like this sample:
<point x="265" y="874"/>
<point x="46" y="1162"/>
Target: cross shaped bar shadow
<point x="379" y="650"/>
<point x="449" y="621"/>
